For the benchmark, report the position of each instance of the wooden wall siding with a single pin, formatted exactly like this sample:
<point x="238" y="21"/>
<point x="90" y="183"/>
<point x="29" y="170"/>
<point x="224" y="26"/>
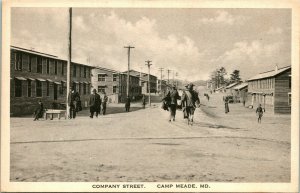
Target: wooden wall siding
<point x="258" y="89"/>
<point x="281" y="93"/>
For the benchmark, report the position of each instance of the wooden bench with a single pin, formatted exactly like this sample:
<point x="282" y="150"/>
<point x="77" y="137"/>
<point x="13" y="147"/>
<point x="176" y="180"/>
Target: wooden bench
<point x="55" y="112"/>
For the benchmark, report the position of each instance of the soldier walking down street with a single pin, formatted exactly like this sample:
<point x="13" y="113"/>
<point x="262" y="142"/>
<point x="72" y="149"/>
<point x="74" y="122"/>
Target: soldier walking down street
<point x="104" y="103"/>
<point x="226" y="104"/>
<point x="94" y="103"/>
<point x="39" y="111"/>
<point x="171" y="99"/>
<point x="127" y="104"/>
<point x="72" y="101"/>
<point x="259" y="112"/>
<point x="189" y="100"/>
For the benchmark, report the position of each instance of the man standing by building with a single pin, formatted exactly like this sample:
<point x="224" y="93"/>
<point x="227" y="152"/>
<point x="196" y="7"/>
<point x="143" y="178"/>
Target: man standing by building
<point x="38" y="113"/>
<point x="72" y="103"/>
<point x="189" y="100"/>
<point x="104" y="102"/>
<point x="94" y="103"/>
<point x="127" y="104"/>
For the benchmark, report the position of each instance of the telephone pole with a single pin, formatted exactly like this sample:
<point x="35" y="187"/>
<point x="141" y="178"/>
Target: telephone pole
<point x="69" y="60"/>
<point x="148" y="64"/>
<point x="128" y="72"/>
<point x="168" y="75"/>
<point x="161" y="70"/>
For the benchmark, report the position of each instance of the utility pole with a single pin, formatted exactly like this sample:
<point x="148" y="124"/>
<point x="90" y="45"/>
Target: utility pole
<point x="176" y="75"/>
<point x="69" y="61"/>
<point x="128" y="72"/>
<point x="168" y="74"/>
<point x="161" y="70"/>
<point x="148" y="64"/>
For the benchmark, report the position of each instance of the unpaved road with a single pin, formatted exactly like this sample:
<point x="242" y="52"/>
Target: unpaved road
<point x="143" y="146"/>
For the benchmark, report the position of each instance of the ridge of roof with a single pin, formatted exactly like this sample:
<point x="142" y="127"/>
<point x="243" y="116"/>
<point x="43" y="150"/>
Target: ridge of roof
<point x="269" y="73"/>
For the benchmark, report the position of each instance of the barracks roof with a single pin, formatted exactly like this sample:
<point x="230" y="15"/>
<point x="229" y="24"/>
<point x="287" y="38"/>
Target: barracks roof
<point x="240" y="86"/>
<point x="269" y="73"/>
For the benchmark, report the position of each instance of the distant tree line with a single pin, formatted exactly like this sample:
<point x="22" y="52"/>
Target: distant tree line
<point x="218" y="77"/>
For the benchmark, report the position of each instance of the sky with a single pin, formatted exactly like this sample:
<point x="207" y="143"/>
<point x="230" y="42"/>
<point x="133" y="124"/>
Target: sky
<point x="192" y="42"/>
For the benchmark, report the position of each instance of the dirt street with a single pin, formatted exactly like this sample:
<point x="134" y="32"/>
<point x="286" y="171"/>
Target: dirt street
<point x="143" y="146"/>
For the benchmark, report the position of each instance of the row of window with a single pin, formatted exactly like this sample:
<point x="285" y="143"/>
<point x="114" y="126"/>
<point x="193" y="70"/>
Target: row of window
<point x="22" y="60"/>
<point x="102" y="89"/>
<point x="82" y="88"/>
<point x="102" y="77"/>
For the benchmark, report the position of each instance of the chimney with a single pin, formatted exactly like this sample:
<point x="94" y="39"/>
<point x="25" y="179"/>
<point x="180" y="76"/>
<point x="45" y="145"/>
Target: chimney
<point x="276" y="68"/>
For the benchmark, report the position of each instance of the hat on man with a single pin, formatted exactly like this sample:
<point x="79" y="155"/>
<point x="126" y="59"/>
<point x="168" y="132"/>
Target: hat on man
<point x="94" y="90"/>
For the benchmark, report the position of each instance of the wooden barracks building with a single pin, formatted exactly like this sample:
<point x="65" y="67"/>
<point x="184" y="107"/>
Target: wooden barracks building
<point x="38" y="76"/>
<point x="114" y="84"/>
<point x="272" y="90"/>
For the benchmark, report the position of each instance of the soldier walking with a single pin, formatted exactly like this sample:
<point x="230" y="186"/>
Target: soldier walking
<point x="189" y="100"/>
<point x="171" y="100"/>
<point x="259" y="112"/>
<point x="104" y="102"/>
<point x="94" y="103"/>
<point x="127" y="104"/>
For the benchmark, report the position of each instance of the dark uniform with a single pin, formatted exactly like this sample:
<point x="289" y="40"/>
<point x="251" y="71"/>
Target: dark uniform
<point x="104" y="102"/>
<point x="260" y="113"/>
<point x="189" y="100"/>
<point x="226" y="105"/>
<point x="73" y="98"/>
<point x="39" y="111"/>
<point x="127" y="104"/>
<point x="94" y="103"/>
<point x="171" y="99"/>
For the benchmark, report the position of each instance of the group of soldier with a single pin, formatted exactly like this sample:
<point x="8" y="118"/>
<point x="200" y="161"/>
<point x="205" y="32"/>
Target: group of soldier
<point x="189" y="100"/>
<point x="97" y="103"/>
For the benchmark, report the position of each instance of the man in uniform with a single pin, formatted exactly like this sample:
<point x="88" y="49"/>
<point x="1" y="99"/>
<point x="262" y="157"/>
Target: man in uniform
<point x="171" y="99"/>
<point x="189" y="100"/>
<point x="72" y="103"/>
<point x="94" y="103"/>
<point x="104" y="102"/>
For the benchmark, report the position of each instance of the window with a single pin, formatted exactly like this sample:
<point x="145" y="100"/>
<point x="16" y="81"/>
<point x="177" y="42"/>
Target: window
<point x="114" y="89"/>
<point x="48" y="88"/>
<point x="84" y="88"/>
<point x="101" y="77"/>
<point x="115" y="77"/>
<point x="74" y="70"/>
<point x="101" y="89"/>
<point x="290" y="82"/>
<point x="29" y="63"/>
<point x="80" y="71"/>
<point x="55" y="67"/>
<point x="289" y="99"/>
<point x="79" y="86"/>
<point x="47" y="66"/>
<point x="18" y="61"/>
<point x="84" y="72"/>
<point x="61" y="89"/>
<point x="29" y="88"/>
<point x="38" y="88"/>
<point x="74" y="86"/>
<point x="62" y="68"/>
<point x="39" y="67"/>
<point x="18" y="88"/>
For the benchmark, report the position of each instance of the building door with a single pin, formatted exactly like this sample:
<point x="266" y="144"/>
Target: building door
<point x="55" y="91"/>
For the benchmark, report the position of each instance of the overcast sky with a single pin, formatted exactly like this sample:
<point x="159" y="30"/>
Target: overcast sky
<point x="192" y="42"/>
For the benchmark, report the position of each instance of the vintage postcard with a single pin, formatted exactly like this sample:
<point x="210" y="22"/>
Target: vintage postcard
<point x="150" y="96"/>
